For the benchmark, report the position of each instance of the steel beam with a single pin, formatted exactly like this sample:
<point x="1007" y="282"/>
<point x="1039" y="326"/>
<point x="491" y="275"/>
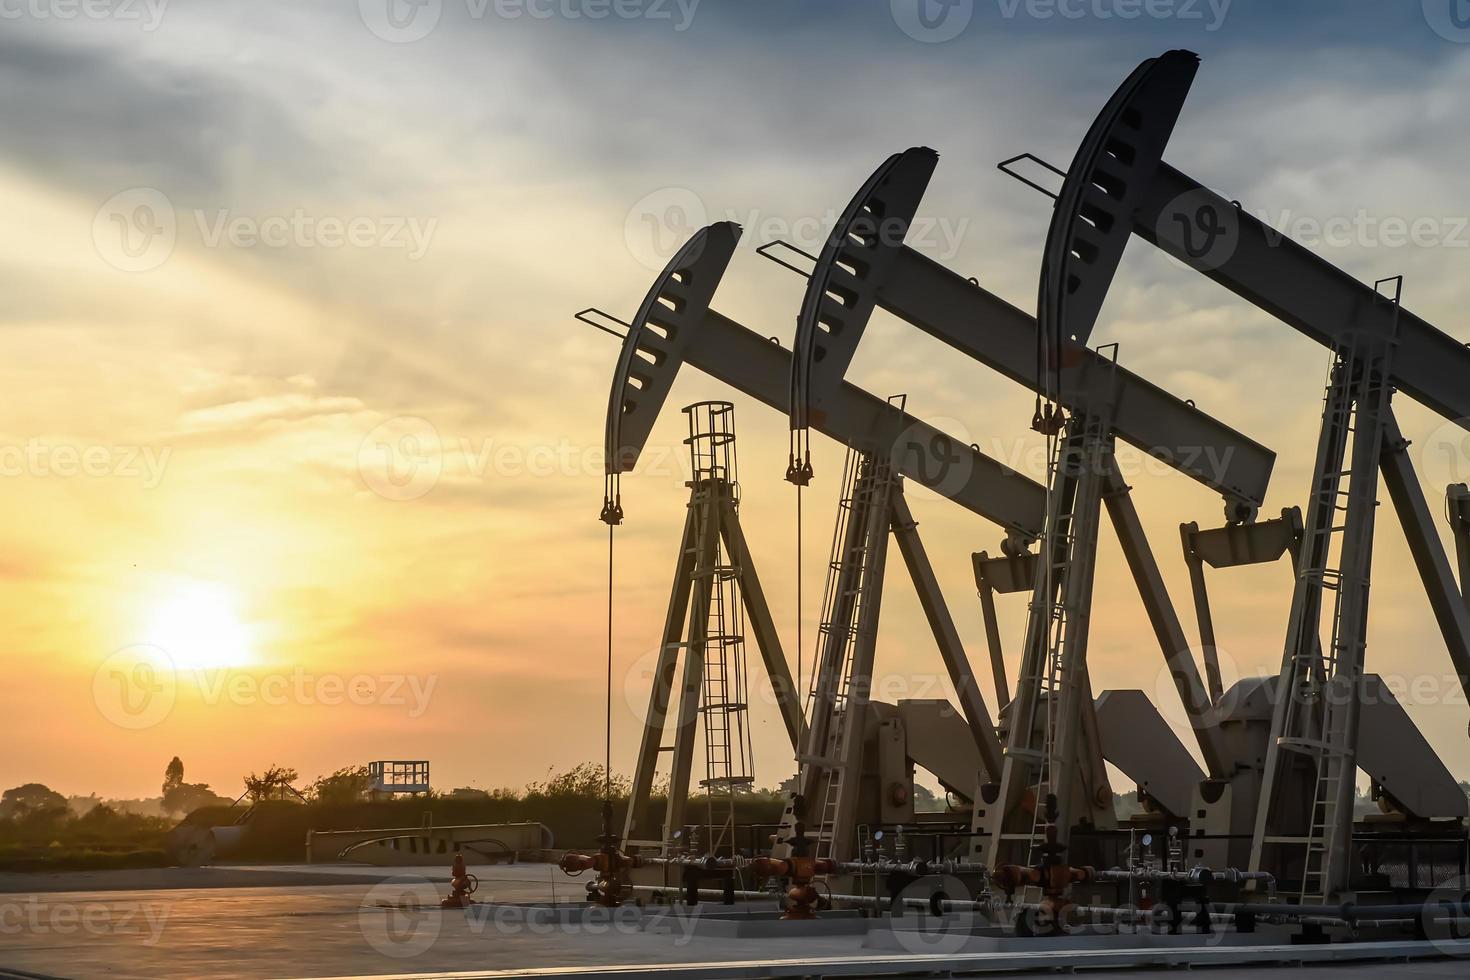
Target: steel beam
<point x="650" y="742"/>
<point x="1004" y="574"/>
<point x="986" y="328"/>
<point x="906" y="530"/>
<point x="1459" y="508"/>
<point x="1219" y="238"/>
<point x="762" y="624"/>
<point x="1165" y="622"/>
<point x="1224" y="547"/>
<point x="1301" y="289"/>
<point x="1445" y="597"/>
<point x="756" y="366"/>
<point x="675" y="325"/>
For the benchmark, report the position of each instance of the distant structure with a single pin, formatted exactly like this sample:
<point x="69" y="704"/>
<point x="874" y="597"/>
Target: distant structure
<point x="387" y="779"/>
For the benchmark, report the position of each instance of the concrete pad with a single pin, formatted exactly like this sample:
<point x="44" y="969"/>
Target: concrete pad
<point x="754" y="922"/>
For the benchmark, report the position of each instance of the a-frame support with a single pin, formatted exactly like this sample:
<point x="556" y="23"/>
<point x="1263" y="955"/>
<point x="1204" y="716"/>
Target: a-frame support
<point x="1053" y="757"/>
<point x="712" y="519"/>
<point x="1227" y="547"/>
<point x="1448" y="600"/>
<point x="1314" y="727"/>
<point x="873" y="507"/>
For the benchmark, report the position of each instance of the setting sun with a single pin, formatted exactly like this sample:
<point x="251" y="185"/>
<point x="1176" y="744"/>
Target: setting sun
<point x="199" y="628"/>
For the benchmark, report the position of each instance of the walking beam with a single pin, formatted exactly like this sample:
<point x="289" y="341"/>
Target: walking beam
<point x="865" y="264"/>
<point x="675" y="325"/>
<point x="1223" y="241"/>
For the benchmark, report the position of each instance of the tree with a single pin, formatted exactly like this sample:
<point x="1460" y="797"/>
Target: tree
<point x="35" y="804"/>
<point x="173" y="776"/>
<point x="346" y="785"/>
<point x="585" y="780"/>
<point x="187" y="797"/>
<point x="273" y="784"/>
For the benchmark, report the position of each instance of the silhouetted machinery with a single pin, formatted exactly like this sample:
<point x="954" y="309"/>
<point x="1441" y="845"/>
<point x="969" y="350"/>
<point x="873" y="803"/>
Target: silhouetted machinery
<point x="1282" y="756"/>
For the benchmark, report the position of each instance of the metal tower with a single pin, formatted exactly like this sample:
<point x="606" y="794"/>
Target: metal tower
<point x="1319" y="691"/>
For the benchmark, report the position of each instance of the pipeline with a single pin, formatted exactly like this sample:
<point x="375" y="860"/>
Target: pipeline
<point x="1196" y="877"/>
<point x="1346" y="913"/>
<point x="917" y="867"/>
<point x="1225" y="915"/>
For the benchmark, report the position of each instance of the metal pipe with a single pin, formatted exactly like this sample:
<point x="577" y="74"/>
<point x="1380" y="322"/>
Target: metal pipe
<point x="1194" y="876"/>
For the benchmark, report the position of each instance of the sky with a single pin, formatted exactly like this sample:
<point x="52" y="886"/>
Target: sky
<point x="301" y="443"/>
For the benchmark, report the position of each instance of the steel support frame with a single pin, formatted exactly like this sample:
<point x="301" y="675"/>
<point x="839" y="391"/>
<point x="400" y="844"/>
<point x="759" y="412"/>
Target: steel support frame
<point x="1246" y="544"/>
<point x="1073" y="517"/>
<point x="711" y="516"/>
<point x="1448" y="600"/>
<point x="1349" y="415"/>
<point x="946" y="636"/>
<point x="874" y="529"/>
<point x="1005" y="574"/>
<point x="1166" y="626"/>
<point x="816" y="759"/>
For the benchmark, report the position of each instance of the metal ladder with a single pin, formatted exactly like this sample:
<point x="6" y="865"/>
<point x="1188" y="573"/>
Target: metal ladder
<point x="724" y="683"/>
<point x="1323" y="688"/>
<point x="867" y="482"/>
<point x="1073" y="455"/>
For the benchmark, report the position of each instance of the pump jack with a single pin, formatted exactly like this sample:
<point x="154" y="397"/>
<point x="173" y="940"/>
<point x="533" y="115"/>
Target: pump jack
<point x="676" y="324"/>
<point x="866" y="266"/>
<point x="1118" y="185"/>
